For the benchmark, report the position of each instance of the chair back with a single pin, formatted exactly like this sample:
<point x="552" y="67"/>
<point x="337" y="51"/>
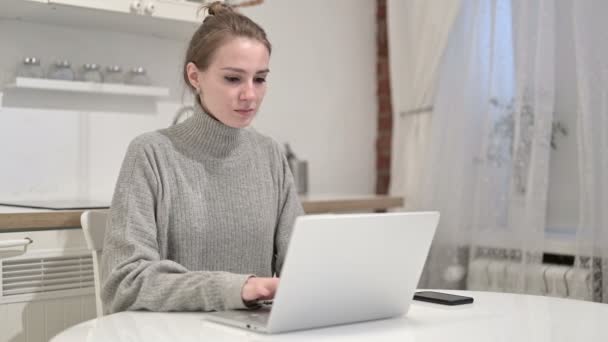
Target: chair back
<point x="94" y="227"/>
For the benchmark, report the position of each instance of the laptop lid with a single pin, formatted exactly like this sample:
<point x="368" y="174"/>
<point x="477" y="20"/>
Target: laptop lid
<point x="351" y="267"/>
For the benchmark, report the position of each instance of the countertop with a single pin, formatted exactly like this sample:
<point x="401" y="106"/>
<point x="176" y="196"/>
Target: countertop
<point x="14" y="219"/>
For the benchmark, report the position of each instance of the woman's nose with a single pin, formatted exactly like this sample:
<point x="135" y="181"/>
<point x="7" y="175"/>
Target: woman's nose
<point x="248" y="92"/>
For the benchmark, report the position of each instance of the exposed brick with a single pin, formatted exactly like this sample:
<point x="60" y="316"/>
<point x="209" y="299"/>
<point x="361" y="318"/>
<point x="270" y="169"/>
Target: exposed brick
<point x="385" y="123"/>
<point x="383" y="173"/>
<point x="384" y="87"/>
<point x="382" y="50"/>
<point x="385" y="98"/>
<point x="381" y="34"/>
<point x="382" y="184"/>
<point x="383" y="93"/>
<point x="383" y="142"/>
<point x="382" y="68"/>
<point x="383" y="162"/>
<point x="384" y="108"/>
<point x="385" y="167"/>
<point x="384" y="153"/>
<point x="381" y="9"/>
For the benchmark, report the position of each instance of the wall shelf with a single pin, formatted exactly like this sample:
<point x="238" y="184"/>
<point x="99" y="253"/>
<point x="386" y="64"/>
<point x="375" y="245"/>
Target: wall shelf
<point x="88" y="87"/>
<point x="46" y="94"/>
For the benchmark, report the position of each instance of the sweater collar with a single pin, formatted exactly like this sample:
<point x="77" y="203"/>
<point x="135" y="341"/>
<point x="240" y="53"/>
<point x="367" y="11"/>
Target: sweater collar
<point x="203" y="135"/>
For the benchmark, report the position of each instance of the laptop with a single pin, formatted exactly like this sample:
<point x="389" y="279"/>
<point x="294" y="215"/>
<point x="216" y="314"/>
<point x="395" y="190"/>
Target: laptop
<point x="342" y="269"/>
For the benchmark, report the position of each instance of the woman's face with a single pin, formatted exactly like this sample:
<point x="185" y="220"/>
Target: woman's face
<point x="233" y="86"/>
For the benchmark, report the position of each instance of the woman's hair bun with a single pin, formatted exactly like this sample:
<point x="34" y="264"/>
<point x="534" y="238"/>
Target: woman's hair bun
<point x="217" y="8"/>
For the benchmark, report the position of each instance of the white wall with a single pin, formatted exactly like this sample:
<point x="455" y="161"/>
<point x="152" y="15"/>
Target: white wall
<point x="322" y="96"/>
<point x="321" y="100"/>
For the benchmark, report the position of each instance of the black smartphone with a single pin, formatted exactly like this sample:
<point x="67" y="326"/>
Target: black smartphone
<point x="442" y="298"/>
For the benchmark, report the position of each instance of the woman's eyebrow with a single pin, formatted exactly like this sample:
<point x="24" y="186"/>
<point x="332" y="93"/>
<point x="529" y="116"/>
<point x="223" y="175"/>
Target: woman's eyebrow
<point x="242" y="71"/>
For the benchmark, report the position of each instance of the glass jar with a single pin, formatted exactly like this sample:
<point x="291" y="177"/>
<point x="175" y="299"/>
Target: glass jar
<point x="30" y="67"/>
<point x="61" y="70"/>
<point x="137" y="76"/>
<point x="113" y="74"/>
<point x="90" y="73"/>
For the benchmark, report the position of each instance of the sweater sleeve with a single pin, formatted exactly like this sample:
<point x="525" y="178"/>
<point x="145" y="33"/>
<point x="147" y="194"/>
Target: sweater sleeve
<point x="290" y="207"/>
<point x="134" y="276"/>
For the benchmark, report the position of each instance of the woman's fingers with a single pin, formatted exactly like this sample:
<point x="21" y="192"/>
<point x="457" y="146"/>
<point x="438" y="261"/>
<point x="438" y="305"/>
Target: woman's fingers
<point x="259" y="288"/>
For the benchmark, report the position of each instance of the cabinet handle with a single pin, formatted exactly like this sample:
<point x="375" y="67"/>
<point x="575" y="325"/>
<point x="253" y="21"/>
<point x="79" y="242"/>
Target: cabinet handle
<point x="15" y="243"/>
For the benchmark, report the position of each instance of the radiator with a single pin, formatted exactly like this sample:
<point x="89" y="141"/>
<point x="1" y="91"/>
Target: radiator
<point x="487" y="274"/>
<point x="45" y="287"/>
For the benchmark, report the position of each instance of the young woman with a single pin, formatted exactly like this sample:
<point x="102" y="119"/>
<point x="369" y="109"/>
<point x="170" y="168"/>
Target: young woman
<point x="202" y="211"/>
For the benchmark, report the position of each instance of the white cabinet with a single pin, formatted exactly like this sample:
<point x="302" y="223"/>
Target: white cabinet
<point x="121" y="6"/>
<point x="174" y="10"/>
<point x="179" y="10"/>
<point x="174" y="19"/>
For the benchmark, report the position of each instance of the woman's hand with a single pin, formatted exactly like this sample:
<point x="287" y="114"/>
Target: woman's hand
<point x="259" y="289"/>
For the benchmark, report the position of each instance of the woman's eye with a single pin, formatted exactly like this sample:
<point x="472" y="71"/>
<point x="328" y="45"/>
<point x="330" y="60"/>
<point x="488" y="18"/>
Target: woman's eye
<point x="260" y="80"/>
<point x="231" y="79"/>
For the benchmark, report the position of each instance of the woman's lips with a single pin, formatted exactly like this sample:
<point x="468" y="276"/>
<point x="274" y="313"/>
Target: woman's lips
<point x="245" y="112"/>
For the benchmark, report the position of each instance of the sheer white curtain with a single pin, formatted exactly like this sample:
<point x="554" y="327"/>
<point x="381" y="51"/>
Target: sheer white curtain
<point x="418" y="33"/>
<point x="487" y="170"/>
<point x="591" y="46"/>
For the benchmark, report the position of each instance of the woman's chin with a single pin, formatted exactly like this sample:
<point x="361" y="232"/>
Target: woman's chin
<point x="240" y="122"/>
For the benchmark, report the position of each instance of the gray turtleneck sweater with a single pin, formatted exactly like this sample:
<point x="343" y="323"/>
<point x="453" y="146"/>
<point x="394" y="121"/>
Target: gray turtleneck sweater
<point x="198" y="208"/>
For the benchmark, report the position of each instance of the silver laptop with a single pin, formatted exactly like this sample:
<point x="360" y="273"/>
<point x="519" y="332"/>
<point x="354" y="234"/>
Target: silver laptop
<point x="343" y="269"/>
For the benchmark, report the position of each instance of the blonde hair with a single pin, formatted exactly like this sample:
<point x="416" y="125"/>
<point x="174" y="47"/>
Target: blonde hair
<point x="221" y="24"/>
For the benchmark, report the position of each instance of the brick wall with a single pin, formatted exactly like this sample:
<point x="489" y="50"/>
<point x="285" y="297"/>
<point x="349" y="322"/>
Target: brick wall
<point x="385" y="110"/>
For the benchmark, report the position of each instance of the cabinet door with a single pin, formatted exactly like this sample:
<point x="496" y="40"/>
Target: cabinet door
<point x="187" y="11"/>
<point x="124" y="6"/>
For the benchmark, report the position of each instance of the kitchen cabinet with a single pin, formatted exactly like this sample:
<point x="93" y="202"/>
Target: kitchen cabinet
<point x="121" y="6"/>
<point x="179" y="10"/>
<point x="173" y="19"/>
<point x="172" y="10"/>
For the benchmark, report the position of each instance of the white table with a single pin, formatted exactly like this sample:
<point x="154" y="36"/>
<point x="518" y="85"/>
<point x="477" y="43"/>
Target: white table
<point x="493" y="317"/>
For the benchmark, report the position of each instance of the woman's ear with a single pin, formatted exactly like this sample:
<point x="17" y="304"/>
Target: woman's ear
<point x="193" y="76"/>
